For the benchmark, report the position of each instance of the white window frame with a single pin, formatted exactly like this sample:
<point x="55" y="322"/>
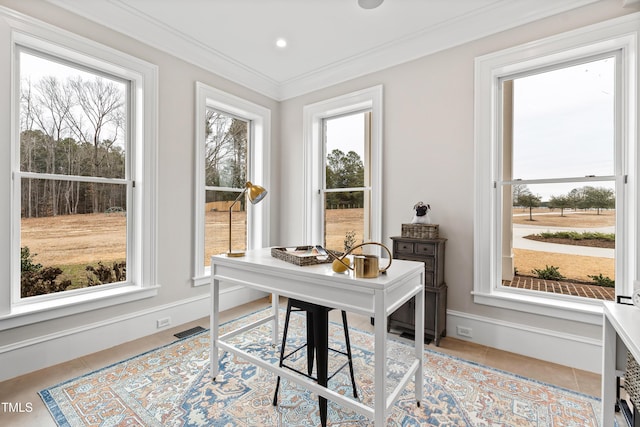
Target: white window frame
<point x="313" y="117"/>
<point x="259" y="119"/>
<point x="620" y="34"/>
<point x="141" y="239"/>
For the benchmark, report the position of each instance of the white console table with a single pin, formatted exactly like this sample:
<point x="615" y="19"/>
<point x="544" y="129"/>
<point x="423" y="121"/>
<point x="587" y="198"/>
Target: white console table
<point x="620" y="332"/>
<point x="318" y="284"/>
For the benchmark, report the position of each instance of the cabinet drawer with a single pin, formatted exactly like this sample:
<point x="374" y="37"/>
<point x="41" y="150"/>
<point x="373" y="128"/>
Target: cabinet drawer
<point x="404" y="247"/>
<point x="425" y="249"/>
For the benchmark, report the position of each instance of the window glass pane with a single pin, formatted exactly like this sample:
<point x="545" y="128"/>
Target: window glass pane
<point x="344" y="219"/>
<point x="72" y="121"/>
<point x="560" y="238"/>
<point x="225" y="150"/>
<point x="216" y="224"/>
<point x="563" y="122"/>
<point x="345" y="148"/>
<point x="77" y="247"/>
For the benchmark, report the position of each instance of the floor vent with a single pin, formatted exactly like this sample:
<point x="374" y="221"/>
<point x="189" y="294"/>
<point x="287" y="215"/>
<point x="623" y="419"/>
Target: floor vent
<point x="189" y="332"/>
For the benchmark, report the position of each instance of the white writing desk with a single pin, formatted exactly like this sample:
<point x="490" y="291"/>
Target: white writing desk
<point x="620" y="332"/>
<point x="318" y="284"/>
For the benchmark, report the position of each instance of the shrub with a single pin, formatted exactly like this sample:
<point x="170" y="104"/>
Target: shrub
<point x="102" y="274"/>
<point x="41" y="282"/>
<point x="26" y="260"/>
<point x="584" y="235"/>
<point x="548" y="273"/>
<point x="604" y="281"/>
<point x="38" y="280"/>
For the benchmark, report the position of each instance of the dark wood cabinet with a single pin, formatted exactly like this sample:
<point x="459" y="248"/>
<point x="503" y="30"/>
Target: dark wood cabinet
<point x="431" y="253"/>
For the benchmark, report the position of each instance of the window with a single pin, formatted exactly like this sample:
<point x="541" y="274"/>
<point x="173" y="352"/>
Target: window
<point x="232" y="138"/>
<point x="225" y="167"/>
<point x="343" y="151"/>
<point x="555" y="140"/>
<point x="74" y="177"/>
<point x="83" y="166"/>
<point x="346" y="189"/>
<point x="558" y="176"/>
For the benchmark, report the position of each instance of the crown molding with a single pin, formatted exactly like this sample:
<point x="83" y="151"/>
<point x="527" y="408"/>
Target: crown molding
<point x="500" y="16"/>
<point x="473" y="26"/>
<point x="147" y="30"/>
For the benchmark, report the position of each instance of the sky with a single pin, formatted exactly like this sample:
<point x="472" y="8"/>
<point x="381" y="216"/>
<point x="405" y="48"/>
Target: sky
<point x="35" y="68"/>
<point x="564" y="125"/>
<point x="346" y="133"/>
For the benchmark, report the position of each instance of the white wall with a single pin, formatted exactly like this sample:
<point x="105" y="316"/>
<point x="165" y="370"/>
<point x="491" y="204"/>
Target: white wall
<point x="428" y="156"/>
<point x="31" y="347"/>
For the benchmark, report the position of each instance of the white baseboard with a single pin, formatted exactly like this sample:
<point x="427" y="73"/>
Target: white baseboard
<point x="30" y="355"/>
<point x="565" y="349"/>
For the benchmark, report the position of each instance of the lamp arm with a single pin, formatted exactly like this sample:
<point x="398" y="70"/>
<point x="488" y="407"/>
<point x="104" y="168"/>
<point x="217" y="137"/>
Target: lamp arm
<point x="230" y="209"/>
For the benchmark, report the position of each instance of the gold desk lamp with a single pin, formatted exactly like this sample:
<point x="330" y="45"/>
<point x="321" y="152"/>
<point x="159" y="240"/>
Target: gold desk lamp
<point x="255" y="194"/>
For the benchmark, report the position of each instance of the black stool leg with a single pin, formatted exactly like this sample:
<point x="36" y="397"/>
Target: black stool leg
<point x="284" y="340"/>
<point x="311" y="344"/>
<point x="348" y="344"/>
<point x="321" y="319"/>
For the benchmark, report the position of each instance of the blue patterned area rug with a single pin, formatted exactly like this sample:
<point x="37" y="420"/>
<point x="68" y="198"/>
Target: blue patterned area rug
<point x="171" y="386"/>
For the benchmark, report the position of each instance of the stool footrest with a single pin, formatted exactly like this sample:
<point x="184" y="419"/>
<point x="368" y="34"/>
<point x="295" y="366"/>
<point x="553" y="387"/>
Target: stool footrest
<point x="291" y="368"/>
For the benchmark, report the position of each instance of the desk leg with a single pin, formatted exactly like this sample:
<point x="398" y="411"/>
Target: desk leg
<point x="380" y="354"/>
<point x="275" y="308"/>
<point x="213" y="346"/>
<point x="321" y="341"/>
<point x="419" y="342"/>
<point x="609" y="338"/>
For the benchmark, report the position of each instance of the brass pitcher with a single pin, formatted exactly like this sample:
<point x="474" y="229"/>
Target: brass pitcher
<point x="365" y="266"/>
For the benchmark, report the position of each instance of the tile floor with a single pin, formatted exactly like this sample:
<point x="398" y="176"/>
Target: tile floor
<point x="24" y="389"/>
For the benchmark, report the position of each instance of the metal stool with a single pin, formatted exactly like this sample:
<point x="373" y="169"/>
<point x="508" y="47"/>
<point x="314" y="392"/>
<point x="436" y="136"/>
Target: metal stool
<point x="318" y="345"/>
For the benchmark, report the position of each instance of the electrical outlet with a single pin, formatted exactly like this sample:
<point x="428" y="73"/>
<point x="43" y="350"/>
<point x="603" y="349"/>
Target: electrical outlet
<point x="164" y="322"/>
<point x="464" y="331"/>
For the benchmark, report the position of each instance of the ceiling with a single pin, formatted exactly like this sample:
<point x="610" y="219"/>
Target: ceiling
<point x="329" y="41"/>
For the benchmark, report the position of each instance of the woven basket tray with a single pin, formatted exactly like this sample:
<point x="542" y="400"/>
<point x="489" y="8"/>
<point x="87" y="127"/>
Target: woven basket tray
<point x="301" y="256"/>
<point x="420" y="231"/>
<point x="632" y="380"/>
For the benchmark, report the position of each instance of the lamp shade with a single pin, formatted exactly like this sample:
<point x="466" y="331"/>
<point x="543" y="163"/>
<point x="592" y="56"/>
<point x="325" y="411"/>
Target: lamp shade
<point x="255" y="193"/>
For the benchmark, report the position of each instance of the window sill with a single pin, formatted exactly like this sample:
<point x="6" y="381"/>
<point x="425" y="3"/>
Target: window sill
<point x="202" y="280"/>
<point x="589" y="312"/>
<point x="40" y="311"/>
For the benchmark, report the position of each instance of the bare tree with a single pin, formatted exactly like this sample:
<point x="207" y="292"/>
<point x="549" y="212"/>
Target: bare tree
<point x="218" y="147"/>
<point x="54" y="102"/>
<point x="27" y="143"/>
<point x="101" y="111"/>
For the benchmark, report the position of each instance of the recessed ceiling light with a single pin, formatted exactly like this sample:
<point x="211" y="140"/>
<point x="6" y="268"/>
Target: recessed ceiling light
<point x="369" y="4"/>
<point x="281" y="43"/>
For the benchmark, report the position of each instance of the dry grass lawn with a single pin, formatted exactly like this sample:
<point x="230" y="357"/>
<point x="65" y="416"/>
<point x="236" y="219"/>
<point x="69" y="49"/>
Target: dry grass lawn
<point x="75" y="239"/>
<point x="86" y="239"/>
<point x="552" y="218"/>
